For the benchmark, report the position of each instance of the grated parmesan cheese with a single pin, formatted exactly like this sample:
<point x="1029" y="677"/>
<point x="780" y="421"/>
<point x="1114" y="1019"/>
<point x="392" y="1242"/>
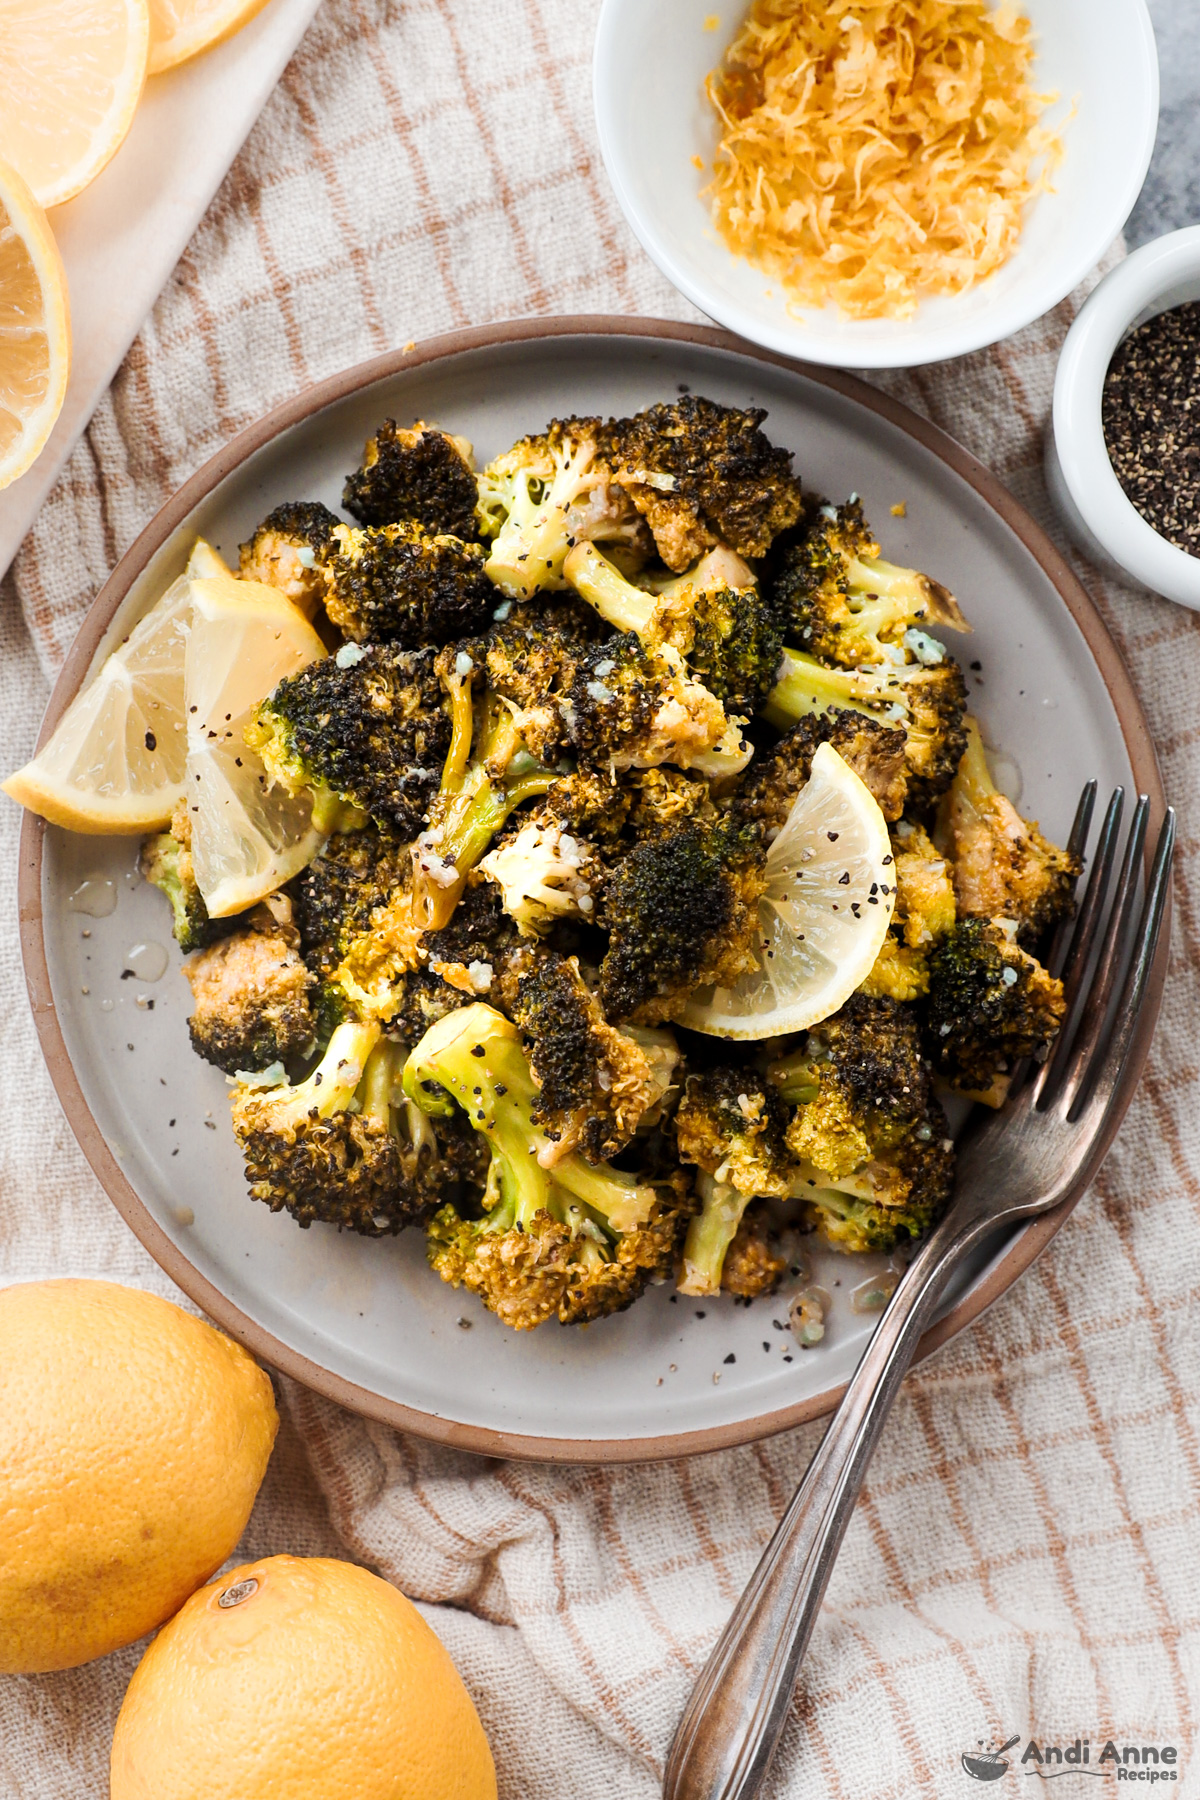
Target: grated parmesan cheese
<point x="876" y="153"/>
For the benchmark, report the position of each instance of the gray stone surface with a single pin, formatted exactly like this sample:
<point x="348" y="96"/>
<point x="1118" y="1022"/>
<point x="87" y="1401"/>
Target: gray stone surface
<point x="1171" y="196"/>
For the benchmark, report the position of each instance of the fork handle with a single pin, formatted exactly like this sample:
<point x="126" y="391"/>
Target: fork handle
<point x="732" y="1723"/>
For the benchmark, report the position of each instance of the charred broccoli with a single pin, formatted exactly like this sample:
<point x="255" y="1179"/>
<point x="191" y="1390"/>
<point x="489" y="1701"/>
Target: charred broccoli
<point x="288" y="552"/>
<point x="630" y="707"/>
<point x="596" y="1085"/>
<point x="927" y="701"/>
<point x="571" y="1241"/>
<point x="732" y="1125"/>
<point x="869" y="1143"/>
<point x="874" y="751"/>
<point x="365" y="731"/>
<point x="346" y="1146"/>
<point x="714" y="616"/>
<point x="1003" y="867"/>
<point x="836" y="599"/>
<point x="252" y="996"/>
<point x="990" y="1004"/>
<point x="702" y="474"/>
<point x="401" y="584"/>
<point x="682" y="913"/>
<point x="422" y="474"/>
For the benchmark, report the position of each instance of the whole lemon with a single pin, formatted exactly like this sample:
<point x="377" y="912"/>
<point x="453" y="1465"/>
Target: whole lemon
<point x="133" y="1439"/>
<point x="299" y="1678"/>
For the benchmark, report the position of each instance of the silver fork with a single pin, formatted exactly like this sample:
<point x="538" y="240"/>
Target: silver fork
<point x="1042" y="1148"/>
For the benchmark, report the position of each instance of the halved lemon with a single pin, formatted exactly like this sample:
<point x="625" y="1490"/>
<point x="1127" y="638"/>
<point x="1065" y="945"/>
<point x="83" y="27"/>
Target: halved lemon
<point x="35" y="326"/>
<point x="180" y="29"/>
<point x="247" y="836"/>
<point x="823" y="918"/>
<point x="71" y="75"/>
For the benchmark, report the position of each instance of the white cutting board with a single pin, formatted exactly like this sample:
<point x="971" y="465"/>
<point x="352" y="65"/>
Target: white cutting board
<point x="124" y="234"/>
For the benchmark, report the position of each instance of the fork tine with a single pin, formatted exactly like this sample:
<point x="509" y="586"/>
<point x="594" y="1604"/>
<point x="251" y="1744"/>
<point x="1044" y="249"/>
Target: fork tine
<point x="1076" y="844"/>
<point x="1109" y="1061"/>
<point x="1092" y="909"/>
<point x="1113" y="949"/>
<point x="1074" y="965"/>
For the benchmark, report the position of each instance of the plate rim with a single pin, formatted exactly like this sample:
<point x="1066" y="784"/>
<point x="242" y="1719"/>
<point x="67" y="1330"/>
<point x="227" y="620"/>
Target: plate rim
<point x="1026" y="1244"/>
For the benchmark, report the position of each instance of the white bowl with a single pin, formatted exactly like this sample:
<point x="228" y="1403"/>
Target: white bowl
<point x="651" y="59"/>
<point x="1095" y="508"/>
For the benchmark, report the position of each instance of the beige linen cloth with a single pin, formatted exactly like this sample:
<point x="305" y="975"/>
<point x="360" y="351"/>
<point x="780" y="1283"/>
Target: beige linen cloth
<point x="1026" y="1556"/>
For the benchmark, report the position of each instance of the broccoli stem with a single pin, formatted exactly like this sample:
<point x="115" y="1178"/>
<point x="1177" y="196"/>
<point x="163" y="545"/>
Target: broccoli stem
<point x="808" y="686"/>
<point x="475" y="1057"/>
<point x="604" y="587"/>
<point x="331" y="1086"/>
<point x="973" y="784"/>
<point x="477" y="795"/>
<point x="709" y="1235"/>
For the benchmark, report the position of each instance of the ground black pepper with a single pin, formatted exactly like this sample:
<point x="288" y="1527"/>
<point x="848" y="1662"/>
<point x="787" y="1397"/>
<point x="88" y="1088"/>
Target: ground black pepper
<point x="1151" y="415"/>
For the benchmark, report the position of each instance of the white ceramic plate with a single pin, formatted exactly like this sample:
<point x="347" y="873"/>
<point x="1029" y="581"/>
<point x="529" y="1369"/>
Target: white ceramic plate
<point x="652" y="115"/>
<point x="365" y="1321"/>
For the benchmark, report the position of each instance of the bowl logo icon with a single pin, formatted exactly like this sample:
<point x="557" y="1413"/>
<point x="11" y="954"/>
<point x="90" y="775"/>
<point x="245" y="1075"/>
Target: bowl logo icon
<point x="989" y="1764"/>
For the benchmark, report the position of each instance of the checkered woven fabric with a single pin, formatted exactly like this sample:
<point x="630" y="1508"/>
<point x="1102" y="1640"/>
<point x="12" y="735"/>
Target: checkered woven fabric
<point x="1025" y="1556"/>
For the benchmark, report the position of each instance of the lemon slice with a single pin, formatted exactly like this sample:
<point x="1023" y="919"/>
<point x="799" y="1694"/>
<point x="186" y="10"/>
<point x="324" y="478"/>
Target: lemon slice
<point x="35" y="329"/>
<point x="824" y="915"/>
<point x="180" y="29"/>
<point x="71" y="75"/>
<point x="115" y="762"/>
<point x="247" y="837"/>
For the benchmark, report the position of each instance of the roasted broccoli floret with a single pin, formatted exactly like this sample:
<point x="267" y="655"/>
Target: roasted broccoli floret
<point x="874" y="751"/>
<point x="703" y="474"/>
<point x="924" y="912"/>
<point x="632" y="708"/>
<point x="659" y="801"/>
<point x="682" y="913"/>
<point x="714" y="616"/>
<point x="252" y="995"/>
<point x="753" y="1262"/>
<point x="421" y="474"/>
<point x="731" y="1125"/>
<point x="346" y="1146"/>
<point x="402" y="584"/>
<point x="871" y="1154"/>
<point x="990" y="1004"/>
<point x="166" y="863"/>
<point x="596" y="1085"/>
<point x="836" y="598"/>
<point x="1003" y="866"/>
<point x="542" y="496"/>
<point x="926" y="701"/>
<point x="365" y="731"/>
<point x="288" y="552"/>
<point x="568" y="1241"/>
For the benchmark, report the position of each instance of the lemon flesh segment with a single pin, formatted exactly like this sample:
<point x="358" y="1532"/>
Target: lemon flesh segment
<point x="180" y="29"/>
<point x="247" y="836"/>
<point x="115" y="763"/>
<point x="71" y="75"/>
<point x="35" y="328"/>
<point x="823" y="918"/>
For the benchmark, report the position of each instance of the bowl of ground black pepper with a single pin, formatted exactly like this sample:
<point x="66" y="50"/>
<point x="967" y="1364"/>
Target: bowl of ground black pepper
<point x="1123" y="450"/>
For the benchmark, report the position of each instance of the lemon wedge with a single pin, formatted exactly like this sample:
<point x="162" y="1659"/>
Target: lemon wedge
<point x="115" y="762"/>
<point x="247" y="836"/>
<point x="180" y="29"/>
<point x="71" y="75"/>
<point x="823" y="918"/>
<point x="35" y="328"/>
